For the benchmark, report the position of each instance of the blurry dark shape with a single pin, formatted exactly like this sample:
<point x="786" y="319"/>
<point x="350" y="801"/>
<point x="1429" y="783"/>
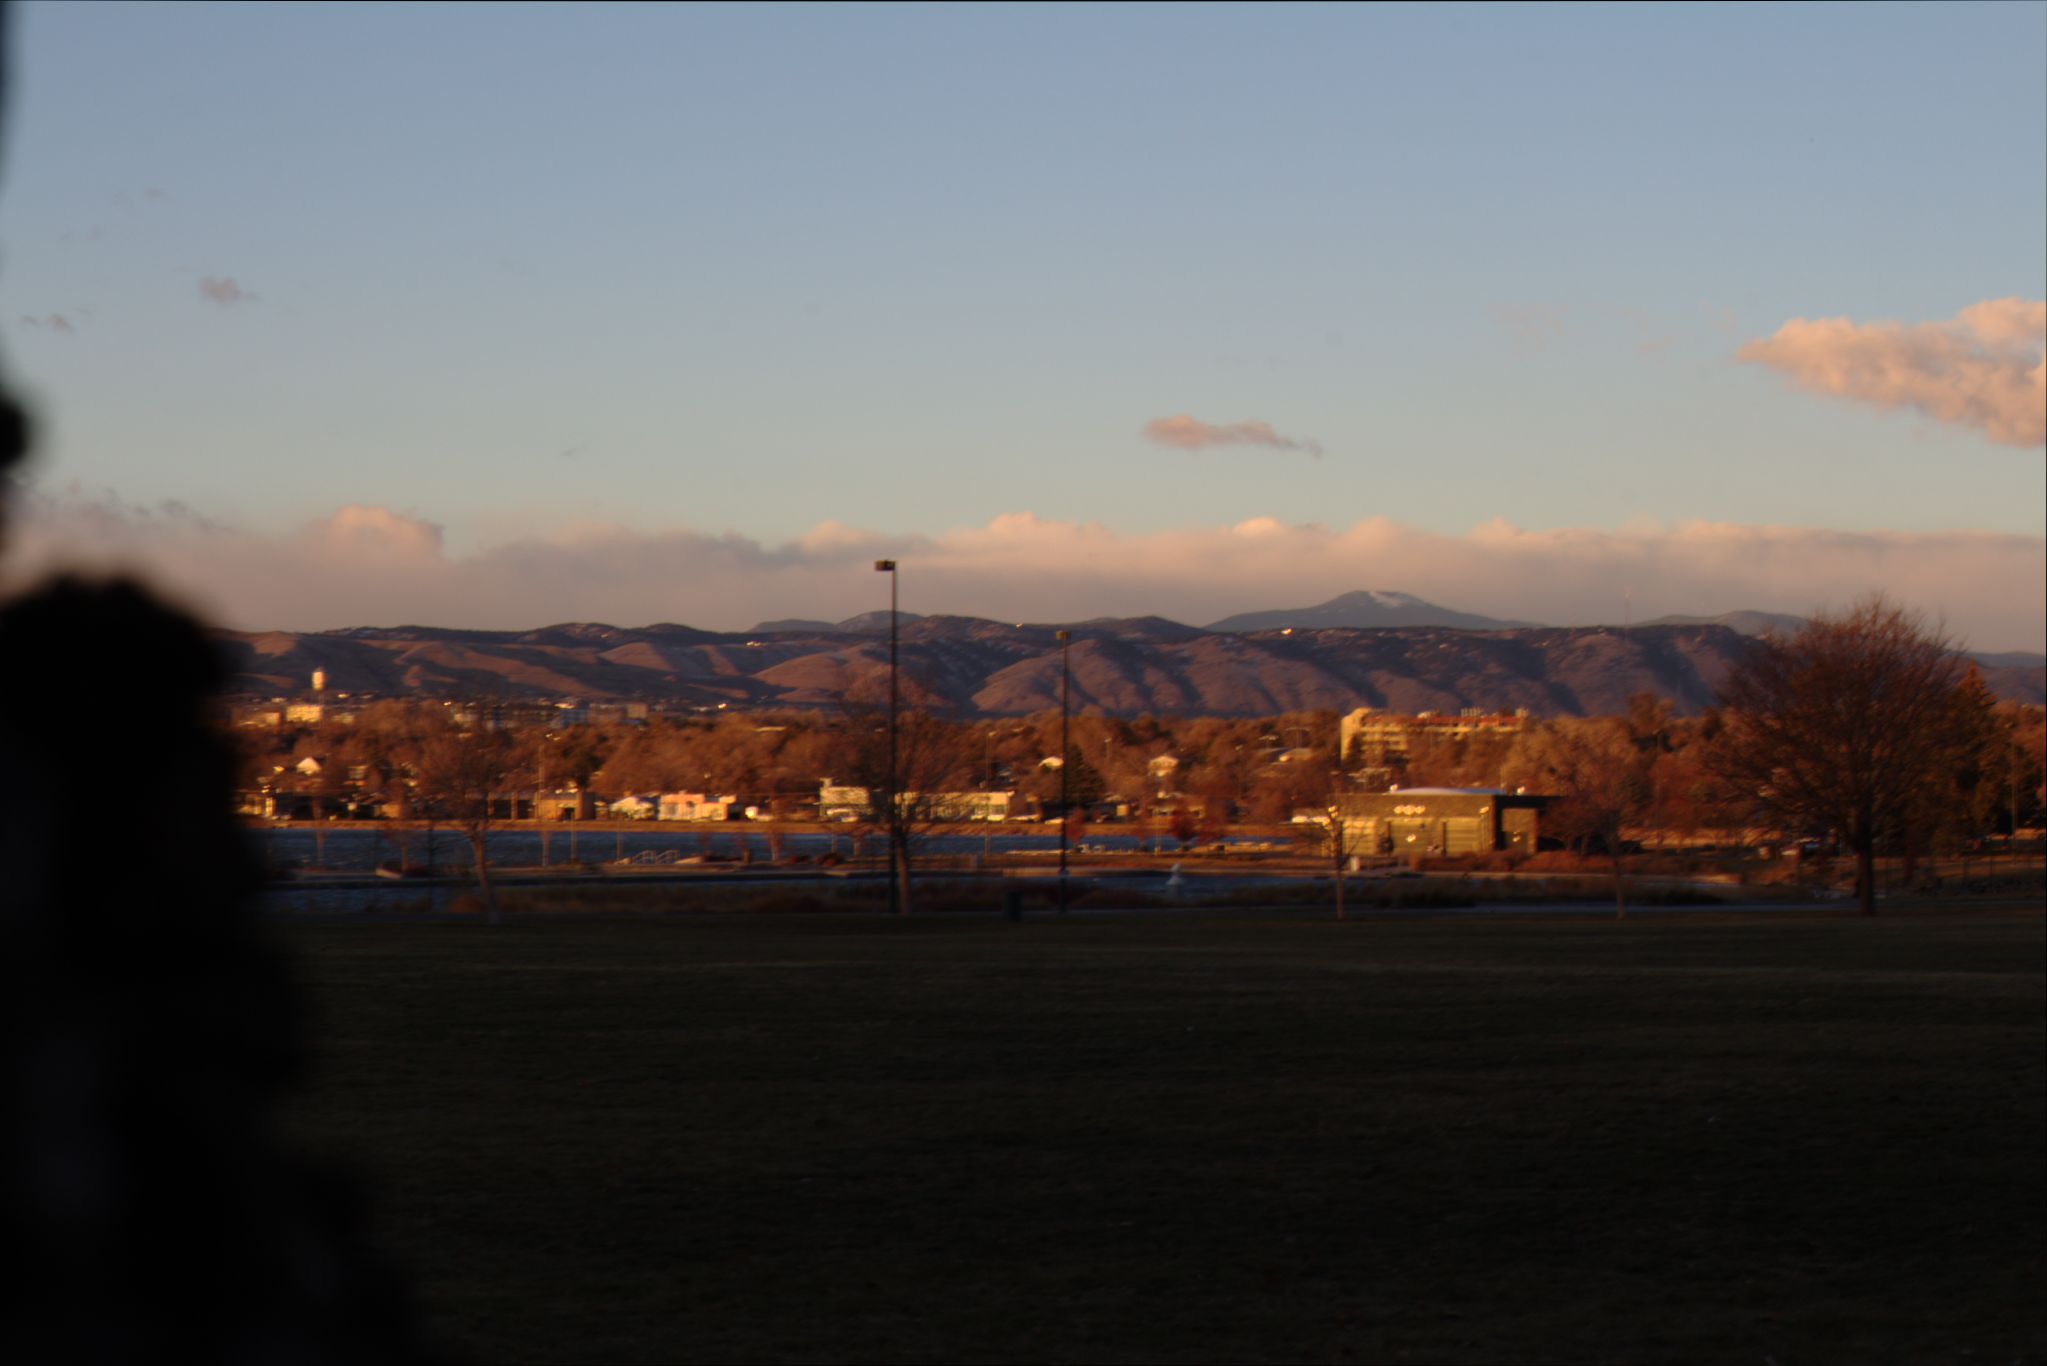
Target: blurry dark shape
<point x="147" y="1027"/>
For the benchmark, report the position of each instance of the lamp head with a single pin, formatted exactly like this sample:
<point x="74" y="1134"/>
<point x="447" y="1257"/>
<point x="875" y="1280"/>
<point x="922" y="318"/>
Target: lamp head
<point x="885" y="566"/>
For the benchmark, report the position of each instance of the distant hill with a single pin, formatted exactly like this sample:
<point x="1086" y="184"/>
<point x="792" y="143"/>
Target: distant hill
<point x="1363" y="610"/>
<point x="808" y="627"/>
<point x="2015" y="677"/>
<point x="2013" y="659"/>
<point x="971" y="666"/>
<point x="1749" y="623"/>
<point x="874" y="621"/>
<point x="2012" y="674"/>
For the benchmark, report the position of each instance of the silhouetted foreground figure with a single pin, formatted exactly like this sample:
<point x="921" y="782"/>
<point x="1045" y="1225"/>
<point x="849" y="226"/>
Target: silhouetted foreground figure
<point x="148" y="1029"/>
<point x="150" y="1213"/>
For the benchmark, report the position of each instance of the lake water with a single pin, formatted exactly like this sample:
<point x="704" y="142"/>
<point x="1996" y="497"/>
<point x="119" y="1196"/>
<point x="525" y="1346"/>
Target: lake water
<point x="359" y="850"/>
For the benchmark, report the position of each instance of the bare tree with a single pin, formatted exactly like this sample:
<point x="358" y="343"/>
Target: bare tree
<point x="460" y="774"/>
<point x="930" y="757"/>
<point x="1836" y="726"/>
<point x="1340" y="834"/>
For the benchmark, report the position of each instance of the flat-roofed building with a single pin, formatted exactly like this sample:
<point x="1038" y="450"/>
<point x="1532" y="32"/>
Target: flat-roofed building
<point x="568" y="804"/>
<point x="841" y="802"/>
<point x="1379" y="735"/>
<point x="694" y="806"/>
<point x="1441" y="820"/>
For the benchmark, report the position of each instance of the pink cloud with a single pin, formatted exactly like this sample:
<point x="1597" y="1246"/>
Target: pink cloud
<point x="222" y="290"/>
<point x="1983" y="368"/>
<point x="374" y="566"/>
<point x="380" y="532"/>
<point x="1185" y="433"/>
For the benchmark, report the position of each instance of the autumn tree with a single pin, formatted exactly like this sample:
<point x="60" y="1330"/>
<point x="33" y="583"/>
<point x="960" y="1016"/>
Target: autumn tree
<point x="639" y="762"/>
<point x="2022" y="767"/>
<point x="1953" y="804"/>
<point x="1282" y="788"/>
<point x="1683" y="796"/>
<point x="1600" y="778"/>
<point x="579" y="752"/>
<point x="1073" y="778"/>
<point x="1837" y="726"/>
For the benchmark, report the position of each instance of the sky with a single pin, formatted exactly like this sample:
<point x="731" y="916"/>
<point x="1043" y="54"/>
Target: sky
<point x="501" y="316"/>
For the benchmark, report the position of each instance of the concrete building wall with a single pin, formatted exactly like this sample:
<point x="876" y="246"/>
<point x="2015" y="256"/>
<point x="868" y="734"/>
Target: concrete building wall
<point x="1441" y="821"/>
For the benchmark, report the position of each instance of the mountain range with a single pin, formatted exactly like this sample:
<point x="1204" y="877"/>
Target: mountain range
<point x="1340" y="654"/>
<point x="1366" y="609"/>
<point x="1370" y="609"/>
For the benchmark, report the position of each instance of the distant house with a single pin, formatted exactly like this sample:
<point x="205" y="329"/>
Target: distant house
<point x="694" y="806"/>
<point x="836" y="802"/>
<point x="568" y="804"/>
<point x="634" y="807"/>
<point x="840" y="802"/>
<point x="967" y="806"/>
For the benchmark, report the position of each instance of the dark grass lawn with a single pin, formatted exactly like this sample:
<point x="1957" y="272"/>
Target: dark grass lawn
<point x="1153" y="1139"/>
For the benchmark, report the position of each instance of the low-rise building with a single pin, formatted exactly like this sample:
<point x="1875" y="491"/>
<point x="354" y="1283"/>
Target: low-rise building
<point x="694" y="806"/>
<point x="841" y="802"/>
<point x="569" y="804"/>
<point x="1370" y="736"/>
<point x="1441" y="820"/>
<point x="966" y="806"/>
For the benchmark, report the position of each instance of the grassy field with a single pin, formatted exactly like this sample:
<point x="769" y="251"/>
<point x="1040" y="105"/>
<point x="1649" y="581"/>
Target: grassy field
<point x="1179" y="1139"/>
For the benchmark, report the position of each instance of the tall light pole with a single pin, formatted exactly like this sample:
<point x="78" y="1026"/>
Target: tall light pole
<point x="1065" y="757"/>
<point x="1337" y="833"/>
<point x="898" y="873"/>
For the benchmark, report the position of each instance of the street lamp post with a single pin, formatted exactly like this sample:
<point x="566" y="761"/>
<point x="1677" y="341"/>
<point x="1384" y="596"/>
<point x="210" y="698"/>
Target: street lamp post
<point x="1065" y="757"/>
<point x="898" y="871"/>
<point x="1336" y="838"/>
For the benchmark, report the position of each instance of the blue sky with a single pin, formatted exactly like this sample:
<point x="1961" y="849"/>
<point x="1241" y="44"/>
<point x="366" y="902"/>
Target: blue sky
<point x="533" y="275"/>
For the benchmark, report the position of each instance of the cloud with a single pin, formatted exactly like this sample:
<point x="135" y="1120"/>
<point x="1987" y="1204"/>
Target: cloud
<point x="1533" y="326"/>
<point x="222" y="290"/>
<point x="55" y="322"/>
<point x="378" y="532"/>
<point x="376" y="566"/>
<point x="1186" y="433"/>
<point x="1983" y="368"/>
